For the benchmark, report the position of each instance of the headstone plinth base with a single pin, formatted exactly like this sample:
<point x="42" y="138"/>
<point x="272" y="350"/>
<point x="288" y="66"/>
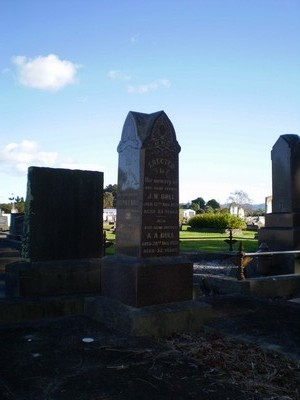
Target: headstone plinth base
<point x="282" y="233"/>
<point x="271" y="287"/>
<point x="282" y="220"/>
<point x="53" y="278"/>
<point x="141" y="282"/>
<point x="156" y="321"/>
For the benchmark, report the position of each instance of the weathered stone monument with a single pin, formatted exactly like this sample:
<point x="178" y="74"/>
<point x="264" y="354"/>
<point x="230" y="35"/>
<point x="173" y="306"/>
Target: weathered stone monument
<point x="268" y="204"/>
<point x="147" y="269"/>
<point x="62" y="236"/>
<point x="282" y="225"/>
<point x="147" y="201"/>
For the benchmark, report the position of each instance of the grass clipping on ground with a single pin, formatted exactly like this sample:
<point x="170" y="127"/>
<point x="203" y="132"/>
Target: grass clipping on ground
<point x="247" y="365"/>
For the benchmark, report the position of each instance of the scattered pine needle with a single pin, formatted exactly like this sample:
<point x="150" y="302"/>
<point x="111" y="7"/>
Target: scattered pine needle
<point x="247" y="365"/>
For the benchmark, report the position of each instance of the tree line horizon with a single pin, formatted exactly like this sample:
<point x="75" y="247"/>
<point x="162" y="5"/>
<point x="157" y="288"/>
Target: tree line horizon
<point x="199" y="205"/>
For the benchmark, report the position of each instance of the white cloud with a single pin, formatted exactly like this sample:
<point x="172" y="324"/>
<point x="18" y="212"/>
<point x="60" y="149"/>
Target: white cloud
<point x="118" y="75"/>
<point x="83" y="166"/>
<point x="45" y="73"/>
<point x="149" y="87"/>
<point x="15" y="158"/>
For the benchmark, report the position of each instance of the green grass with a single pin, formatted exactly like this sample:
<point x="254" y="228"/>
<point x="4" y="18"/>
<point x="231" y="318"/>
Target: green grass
<point x="111" y="237"/>
<point x="205" y="241"/>
<point x="214" y="241"/>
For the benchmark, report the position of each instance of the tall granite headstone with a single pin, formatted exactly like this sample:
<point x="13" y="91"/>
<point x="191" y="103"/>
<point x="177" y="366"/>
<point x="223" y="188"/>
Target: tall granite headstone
<point x="147" y="268"/>
<point x="282" y="225"/>
<point x="147" y="201"/>
<point x="286" y="174"/>
<point x="63" y="218"/>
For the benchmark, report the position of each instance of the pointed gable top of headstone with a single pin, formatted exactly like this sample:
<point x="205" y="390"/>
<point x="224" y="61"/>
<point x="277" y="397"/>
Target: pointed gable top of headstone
<point x="291" y="139"/>
<point x="139" y="127"/>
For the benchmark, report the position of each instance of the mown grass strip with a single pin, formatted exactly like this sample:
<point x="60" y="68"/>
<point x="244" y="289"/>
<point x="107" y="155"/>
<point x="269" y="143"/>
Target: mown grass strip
<point x="206" y="241"/>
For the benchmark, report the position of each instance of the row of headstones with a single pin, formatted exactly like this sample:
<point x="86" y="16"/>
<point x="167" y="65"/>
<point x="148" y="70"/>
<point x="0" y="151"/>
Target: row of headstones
<point x="63" y="217"/>
<point x="63" y="222"/>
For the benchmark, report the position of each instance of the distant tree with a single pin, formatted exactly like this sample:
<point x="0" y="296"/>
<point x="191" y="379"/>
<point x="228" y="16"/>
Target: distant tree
<point x="194" y="206"/>
<point x="5" y="207"/>
<point x="213" y="203"/>
<point x="200" y="202"/>
<point x="19" y="199"/>
<point x="239" y="197"/>
<point x="108" y="200"/>
<point x="20" y="204"/>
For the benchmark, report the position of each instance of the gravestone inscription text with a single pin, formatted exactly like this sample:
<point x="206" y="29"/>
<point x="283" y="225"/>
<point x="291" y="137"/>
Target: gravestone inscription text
<point x="148" y="194"/>
<point x="160" y="227"/>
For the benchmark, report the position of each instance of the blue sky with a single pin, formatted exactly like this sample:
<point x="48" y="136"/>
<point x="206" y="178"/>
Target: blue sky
<point x="226" y="72"/>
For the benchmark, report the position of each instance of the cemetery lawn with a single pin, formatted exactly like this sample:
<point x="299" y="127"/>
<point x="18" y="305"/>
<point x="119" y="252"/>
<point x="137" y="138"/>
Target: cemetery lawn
<point x="215" y="242"/>
<point x="204" y="241"/>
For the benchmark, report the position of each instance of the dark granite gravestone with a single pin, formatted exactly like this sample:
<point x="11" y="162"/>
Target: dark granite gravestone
<point x="282" y="226"/>
<point x="62" y="236"/>
<point x="147" y="201"/>
<point x="147" y="268"/>
<point x="63" y="218"/>
<point x="285" y="174"/>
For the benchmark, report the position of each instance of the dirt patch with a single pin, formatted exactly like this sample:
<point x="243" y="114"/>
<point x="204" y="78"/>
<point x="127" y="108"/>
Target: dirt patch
<point x="249" y="366"/>
<point x="271" y="324"/>
<point x="79" y="359"/>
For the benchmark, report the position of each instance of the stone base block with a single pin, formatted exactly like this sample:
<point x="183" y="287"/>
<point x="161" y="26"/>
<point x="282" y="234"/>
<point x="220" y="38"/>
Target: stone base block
<point x="282" y="220"/>
<point x="53" y="278"/>
<point x="17" y="310"/>
<point x="8" y="252"/>
<point x="147" y="281"/>
<point x="155" y="321"/>
<point x="280" y="239"/>
<point x="279" y="286"/>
